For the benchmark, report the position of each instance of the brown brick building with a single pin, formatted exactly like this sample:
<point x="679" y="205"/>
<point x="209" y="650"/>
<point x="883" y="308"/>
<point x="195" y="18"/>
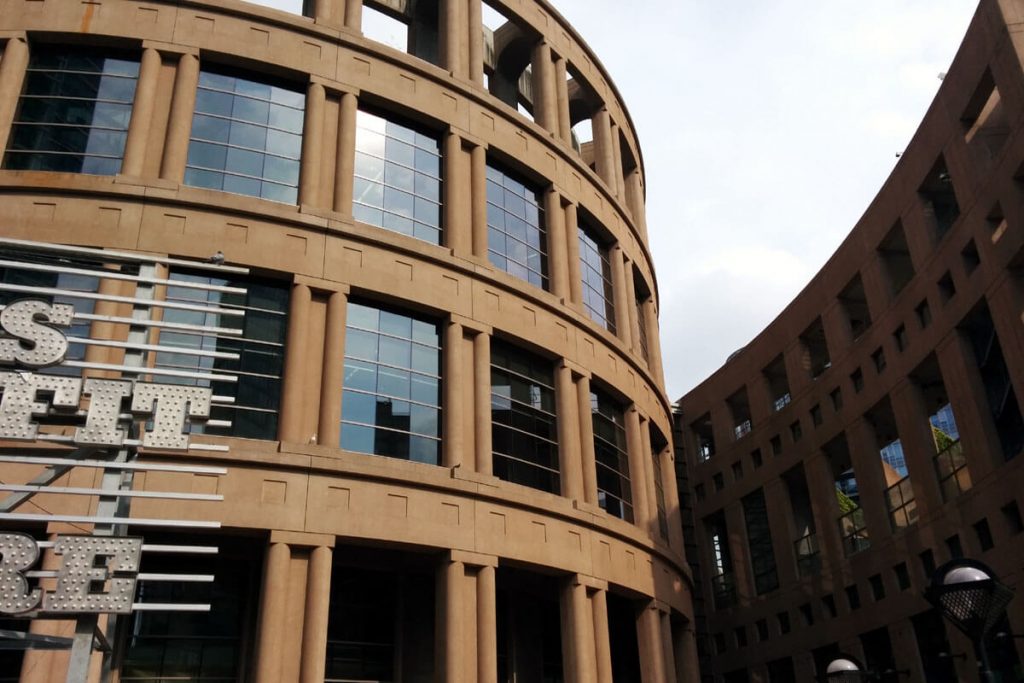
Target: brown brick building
<point x="873" y="430"/>
<point x="449" y="439"/>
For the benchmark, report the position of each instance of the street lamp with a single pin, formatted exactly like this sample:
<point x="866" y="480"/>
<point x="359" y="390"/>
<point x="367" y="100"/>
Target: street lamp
<point x="845" y="669"/>
<point x="968" y="594"/>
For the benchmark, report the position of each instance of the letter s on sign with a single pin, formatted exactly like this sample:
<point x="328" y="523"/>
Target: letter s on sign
<point x="18" y="552"/>
<point x="34" y="344"/>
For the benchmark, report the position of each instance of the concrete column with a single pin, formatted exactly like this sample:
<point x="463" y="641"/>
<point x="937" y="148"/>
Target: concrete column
<point x="487" y="627"/>
<point x="779" y="512"/>
<point x="329" y="429"/>
<point x="544" y="111"/>
<point x="457" y="227"/>
<point x="454" y="411"/>
<point x="821" y="486"/>
<point x="632" y="309"/>
<point x="867" y="467"/>
<point x="618" y="264"/>
<point x="588" y="459"/>
<point x="345" y="155"/>
<point x="354" y="15"/>
<point x="915" y="431"/>
<point x="649" y="317"/>
<point x="312" y="145"/>
<point x="675" y="518"/>
<point x="314" y="626"/>
<point x="12" y="79"/>
<point x="973" y="415"/>
<point x="562" y="100"/>
<point x="449" y="638"/>
<point x="619" y="187"/>
<point x="649" y="461"/>
<point x="482" y="403"/>
<point x="667" y="646"/>
<point x="137" y="139"/>
<point x="635" y="199"/>
<point x="293" y="391"/>
<point x="558" y="261"/>
<point x="652" y="654"/>
<point x="272" y="613"/>
<point x="475" y="21"/>
<point x="604" y="151"/>
<point x="1006" y="308"/>
<point x="323" y="10"/>
<point x="739" y="547"/>
<point x="179" y="122"/>
<point x="602" y="640"/>
<point x="572" y="242"/>
<point x="478" y="191"/>
<point x="568" y="435"/>
<point x="578" y="651"/>
<point x="687" y="664"/>
<point x="453" y="25"/>
<point x="637" y="470"/>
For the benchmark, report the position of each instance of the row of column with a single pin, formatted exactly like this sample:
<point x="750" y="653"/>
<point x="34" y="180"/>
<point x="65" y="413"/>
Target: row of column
<point x="312" y="402"/>
<point x="295" y="610"/>
<point x="326" y="179"/>
<point x="462" y="52"/>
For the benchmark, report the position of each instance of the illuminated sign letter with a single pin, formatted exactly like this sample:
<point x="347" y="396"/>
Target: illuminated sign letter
<point x="174" y="406"/>
<point x="104" y="408"/>
<point x="34" y="345"/>
<point x="19" y="403"/>
<point x="98" y="575"/>
<point x="18" y="552"/>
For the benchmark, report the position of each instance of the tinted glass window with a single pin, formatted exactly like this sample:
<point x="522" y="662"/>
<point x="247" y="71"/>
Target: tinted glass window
<point x="397" y="182"/>
<point x="74" y="111"/>
<point x="246" y="137"/>
<point x="524" y="425"/>
<point x="516" y="237"/>
<point x="613" y="488"/>
<point x="391" y="403"/>
<point x="596" y="269"/>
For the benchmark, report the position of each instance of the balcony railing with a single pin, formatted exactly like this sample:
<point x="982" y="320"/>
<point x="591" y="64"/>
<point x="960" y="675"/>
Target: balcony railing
<point x="854" y="531"/>
<point x="899" y="498"/>
<point x="808" y="556"/>
<point x="742" y="429"/>
<point x="951" y="470"/>
<point x="781" y="402"/>
<point x="723" y="588"/>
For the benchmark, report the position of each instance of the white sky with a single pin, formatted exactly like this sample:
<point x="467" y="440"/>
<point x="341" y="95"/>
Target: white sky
<point x="767" y="127"/>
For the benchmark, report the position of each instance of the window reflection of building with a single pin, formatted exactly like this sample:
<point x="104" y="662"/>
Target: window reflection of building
<point x="516" y="235"/>
<point x="613" y="481"/>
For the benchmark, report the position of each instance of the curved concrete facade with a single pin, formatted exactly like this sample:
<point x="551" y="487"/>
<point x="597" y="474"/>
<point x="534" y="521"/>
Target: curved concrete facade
<point x="302" y="504"/>
<point x="895" y="377"/>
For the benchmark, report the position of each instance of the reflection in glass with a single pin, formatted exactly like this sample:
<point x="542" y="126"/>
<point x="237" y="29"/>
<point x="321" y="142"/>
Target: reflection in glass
<point x="516" y="236"/>
<point x="614" y="494"/>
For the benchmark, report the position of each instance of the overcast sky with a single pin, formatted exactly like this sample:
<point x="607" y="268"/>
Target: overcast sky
<point x="767" y="126"/>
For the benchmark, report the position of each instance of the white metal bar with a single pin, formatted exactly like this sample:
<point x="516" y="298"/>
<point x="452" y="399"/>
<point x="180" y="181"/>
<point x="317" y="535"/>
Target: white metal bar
<point x="156" y="303"/>
<point x="90" y="519"/>
<point x="185" y="351"/>
<point x="143" y="466"/>
<point x="159" y="548"/>
<point x="169" y="607"/>
<point x="122" y="255"/>
<point x="162" y="324"/>
<point x="143" y="370"/>
<point x="184" y="578"/>
<point x="118" y="275"/>
<point x="79" y="491"/>
<point x="136" y="443"/>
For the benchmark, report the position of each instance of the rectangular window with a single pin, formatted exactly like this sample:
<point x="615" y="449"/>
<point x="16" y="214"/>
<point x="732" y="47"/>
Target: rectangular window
<point x="523" y="418"/>
<point x="391" y="404"/>
<point x="516" y="236"/>
<point x="596" y="269"/>
<point x="260" y="347"/>
<point x="74" y="111"/>
<point x="246" y="137"/>
<point x="759" y="539"/>
<point x="398" y="179"/>
<point x="645" y="347"/>
<point x="614" y="494"/>
<point x="659" y="494"/>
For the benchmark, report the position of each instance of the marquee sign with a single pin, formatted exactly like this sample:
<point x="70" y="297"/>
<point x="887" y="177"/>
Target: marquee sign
<point x="80" y="410"/>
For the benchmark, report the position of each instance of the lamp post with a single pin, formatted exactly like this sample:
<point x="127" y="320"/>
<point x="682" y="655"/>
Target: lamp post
<point x="969" y="595"/>
<point x="845" y="668"/>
